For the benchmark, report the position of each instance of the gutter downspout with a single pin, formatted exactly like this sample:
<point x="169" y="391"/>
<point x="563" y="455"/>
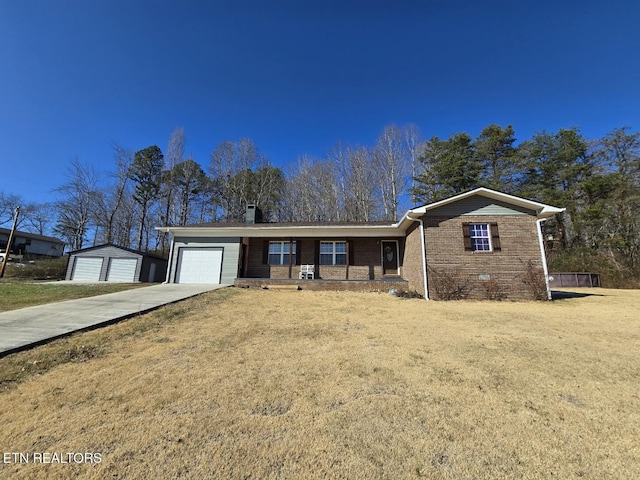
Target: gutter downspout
<point x="170" y="262"/>
<point x="424" y="257"/>
<point x="543" y="256"/>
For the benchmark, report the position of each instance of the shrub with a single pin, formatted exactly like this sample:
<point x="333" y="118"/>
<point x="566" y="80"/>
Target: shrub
<point x="45" y="269"/>
<point x="533" y="278"/>
<point x="449" y="284"/>
<point x="493" y="290"/>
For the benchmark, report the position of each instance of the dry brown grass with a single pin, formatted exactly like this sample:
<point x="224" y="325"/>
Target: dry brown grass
<point x="287" y="384"/>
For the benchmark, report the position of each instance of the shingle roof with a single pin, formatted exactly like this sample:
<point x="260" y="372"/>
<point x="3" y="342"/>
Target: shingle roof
<point x="33" y="236"/>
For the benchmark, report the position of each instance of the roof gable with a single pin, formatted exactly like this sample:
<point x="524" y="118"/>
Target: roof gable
<point x="113" y="246"/>
<point x="499" y="199"/>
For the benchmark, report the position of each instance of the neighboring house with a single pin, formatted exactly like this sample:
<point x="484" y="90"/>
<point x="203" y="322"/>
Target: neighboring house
<point x="31" y="245"/>
<point x="479" y="244"/>
<point x="111" y="263"/>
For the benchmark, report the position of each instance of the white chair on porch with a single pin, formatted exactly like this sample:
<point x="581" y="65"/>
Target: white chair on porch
<point x="307" y="272"/>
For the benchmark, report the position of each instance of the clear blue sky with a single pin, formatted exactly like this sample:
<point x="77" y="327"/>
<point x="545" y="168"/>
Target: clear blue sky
<point x="298" y="76"/>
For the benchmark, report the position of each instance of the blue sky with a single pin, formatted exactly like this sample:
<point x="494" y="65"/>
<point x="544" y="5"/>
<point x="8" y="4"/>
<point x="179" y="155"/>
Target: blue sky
<point x="297" y="77"/>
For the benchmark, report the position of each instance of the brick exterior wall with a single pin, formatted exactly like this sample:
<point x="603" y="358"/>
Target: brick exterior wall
<point x="365" y="259"/>
<point x="498" y="273"/>
<point x="412" y="261"/>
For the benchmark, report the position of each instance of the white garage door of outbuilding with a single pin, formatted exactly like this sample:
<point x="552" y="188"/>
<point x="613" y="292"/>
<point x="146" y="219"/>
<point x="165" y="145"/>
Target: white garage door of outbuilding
<point x="199" y="265"/>
<point x="122" y="270"/>
<point x="87" y="269"/>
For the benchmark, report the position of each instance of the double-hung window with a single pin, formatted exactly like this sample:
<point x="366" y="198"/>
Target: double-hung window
<point x="279" y="253"/>
<point x="333" y="253"/>
<point x="481" y="237"/>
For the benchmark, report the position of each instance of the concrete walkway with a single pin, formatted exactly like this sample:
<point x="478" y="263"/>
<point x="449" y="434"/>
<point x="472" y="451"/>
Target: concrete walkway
<point x="34" y="325"/>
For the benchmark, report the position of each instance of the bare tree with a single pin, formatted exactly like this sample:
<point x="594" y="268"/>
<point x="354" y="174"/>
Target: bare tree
<point x="109" y="208"/>
<point x="312" y="192"/>
<point x="174" y="155"/>
<point x="8" y="203"/>
<point x="39" y="217"/>
<point x="228" y="160"/>
<point x="392" y="168"/>
<point x="415" y="149"/>
<point x="75" y="207"/>
<point x="360" y="191"/>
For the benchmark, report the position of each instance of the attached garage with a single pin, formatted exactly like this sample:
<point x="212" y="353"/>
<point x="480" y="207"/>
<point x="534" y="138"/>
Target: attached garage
<point x="200" y="260"/>
<point x="111" y="263"/>
<point x="199" y="265"/>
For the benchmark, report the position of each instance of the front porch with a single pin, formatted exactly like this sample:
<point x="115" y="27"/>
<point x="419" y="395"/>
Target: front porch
<point x="352" y="259"/>
<point x="381" y="285"/>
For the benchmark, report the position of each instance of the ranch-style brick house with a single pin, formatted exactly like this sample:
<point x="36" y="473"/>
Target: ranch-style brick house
<point x="478" y="244"/>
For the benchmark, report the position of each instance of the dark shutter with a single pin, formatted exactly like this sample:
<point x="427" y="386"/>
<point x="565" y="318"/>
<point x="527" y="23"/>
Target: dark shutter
<point x="495" y="238"/>
<point x="466" y="234"/>
<point x="350" y="252"/>
<point x="316" y="253"/>
<point x="265" y="252"/>
<point x="298" y="245"/>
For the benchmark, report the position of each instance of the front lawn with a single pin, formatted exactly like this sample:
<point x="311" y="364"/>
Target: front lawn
<point x="272" y="384"/>
<point x="19" y="295"/>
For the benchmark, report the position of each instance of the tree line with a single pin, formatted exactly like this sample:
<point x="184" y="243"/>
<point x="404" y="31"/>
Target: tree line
<point x="596" y="180"/>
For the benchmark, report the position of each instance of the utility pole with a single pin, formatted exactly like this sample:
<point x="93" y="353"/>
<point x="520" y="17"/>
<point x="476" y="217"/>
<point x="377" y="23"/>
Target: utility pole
<point x="8" y="249"/>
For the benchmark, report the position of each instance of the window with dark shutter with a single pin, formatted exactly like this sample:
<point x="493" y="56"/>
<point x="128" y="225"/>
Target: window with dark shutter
<point x="466" y="234"/>
<point x="481" y="237"/>
<point x="265" y="252"/>
<point x="350" y="252"/>
<point x="495" y="238"/>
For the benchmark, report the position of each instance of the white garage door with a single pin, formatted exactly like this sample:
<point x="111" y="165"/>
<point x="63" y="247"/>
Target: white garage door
<point x="122" y="270"/>
<point x="199" y="265"/>
<point x="87" y="269"/>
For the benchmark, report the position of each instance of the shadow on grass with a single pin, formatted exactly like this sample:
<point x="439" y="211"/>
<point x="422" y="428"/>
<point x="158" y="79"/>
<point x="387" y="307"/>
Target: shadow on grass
<point x="563" y="295"/>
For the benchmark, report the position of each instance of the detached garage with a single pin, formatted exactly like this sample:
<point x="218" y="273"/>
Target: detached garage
<point x="111" y="263"/>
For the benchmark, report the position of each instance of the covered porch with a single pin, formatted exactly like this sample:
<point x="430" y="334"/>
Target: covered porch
<point x="362" y="259"/>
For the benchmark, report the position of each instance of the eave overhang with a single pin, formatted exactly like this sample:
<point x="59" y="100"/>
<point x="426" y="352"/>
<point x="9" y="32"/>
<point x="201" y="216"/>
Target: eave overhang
<point x="306" y="231"/>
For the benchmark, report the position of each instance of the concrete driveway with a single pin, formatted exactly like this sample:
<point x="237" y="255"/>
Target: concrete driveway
<point x="30" y="326"/>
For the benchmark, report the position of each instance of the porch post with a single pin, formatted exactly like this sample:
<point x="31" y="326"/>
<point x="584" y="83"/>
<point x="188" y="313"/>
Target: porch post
<point x="348" y="242"/>
<point x="291" y="254"/>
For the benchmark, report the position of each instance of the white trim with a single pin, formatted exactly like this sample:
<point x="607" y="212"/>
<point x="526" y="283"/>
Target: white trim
<point x="170" y="262"/>
<point x="488" y="237"/>
<point x="543" y="257"/>
<point x="425" y="279"/>
<point x="279" y="231"/>
<point x="542" y="210"/>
